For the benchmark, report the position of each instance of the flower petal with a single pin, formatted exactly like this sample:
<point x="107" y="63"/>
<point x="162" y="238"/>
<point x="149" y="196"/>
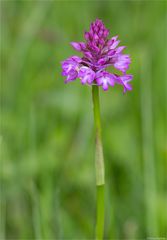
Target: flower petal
<point x="120" y="49"/>
<point x="124" y="81"/>
<point x="70" y="68"/>
<point x="86" y="75"/>
<point x="72" y="75"/>
<point x="79" y="46"/>
<point x="121" y="62"/>
<point x="105" y="79"/>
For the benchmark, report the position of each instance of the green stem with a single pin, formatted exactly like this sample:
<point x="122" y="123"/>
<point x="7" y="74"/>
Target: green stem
<point x="99" y="164"/>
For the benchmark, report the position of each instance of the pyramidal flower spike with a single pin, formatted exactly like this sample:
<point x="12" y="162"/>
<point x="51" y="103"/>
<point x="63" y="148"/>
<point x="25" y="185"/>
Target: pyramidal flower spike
<point x="98" y="53"/>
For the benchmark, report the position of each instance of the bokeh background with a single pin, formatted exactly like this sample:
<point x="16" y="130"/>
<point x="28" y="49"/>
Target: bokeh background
<point x="47" y="135"/>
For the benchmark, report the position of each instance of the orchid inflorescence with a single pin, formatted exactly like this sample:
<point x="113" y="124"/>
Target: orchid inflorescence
<point x="98" y="54"/>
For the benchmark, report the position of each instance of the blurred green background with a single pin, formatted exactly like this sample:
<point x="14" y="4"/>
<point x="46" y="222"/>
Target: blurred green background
<point x="47" y="135"/>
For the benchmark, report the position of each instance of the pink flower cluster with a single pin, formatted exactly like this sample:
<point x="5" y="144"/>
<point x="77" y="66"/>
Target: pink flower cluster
<point x="98" y="54"/>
